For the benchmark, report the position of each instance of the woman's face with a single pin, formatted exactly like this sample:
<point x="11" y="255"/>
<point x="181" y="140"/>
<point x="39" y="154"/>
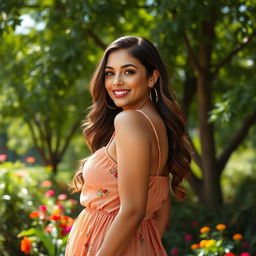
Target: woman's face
<point x="125" y="80"/>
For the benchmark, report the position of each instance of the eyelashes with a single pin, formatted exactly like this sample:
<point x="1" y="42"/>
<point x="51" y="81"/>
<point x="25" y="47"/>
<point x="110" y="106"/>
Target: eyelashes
<point x="126" y="72"/>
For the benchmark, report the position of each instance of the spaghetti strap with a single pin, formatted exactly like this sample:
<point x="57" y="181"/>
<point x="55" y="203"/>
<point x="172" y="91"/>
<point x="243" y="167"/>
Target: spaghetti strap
<point x="157" y="139"/>
<point x="112" y="136"/>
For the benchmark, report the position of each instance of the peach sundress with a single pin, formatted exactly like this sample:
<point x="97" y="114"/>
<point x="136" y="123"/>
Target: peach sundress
<point x="100" y="198"/>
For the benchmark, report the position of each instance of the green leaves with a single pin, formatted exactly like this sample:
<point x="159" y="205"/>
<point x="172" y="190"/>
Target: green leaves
<point x="43" y="237"/>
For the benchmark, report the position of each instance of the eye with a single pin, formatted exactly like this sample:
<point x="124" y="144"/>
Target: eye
<point x="129" y="72"/>
<point x="109" y="73"/>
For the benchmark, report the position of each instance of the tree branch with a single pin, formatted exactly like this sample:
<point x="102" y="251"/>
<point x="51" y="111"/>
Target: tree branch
<point x="39" y="149"/>
<point x="191" y="55"/>
<point x="242" y="132"/>
<point x="196" y="156"/>
<point x="96" y="38"/>
<point x="68" y="138"/>
<point x="238" y="48"/>
<point x="196" y="185"/>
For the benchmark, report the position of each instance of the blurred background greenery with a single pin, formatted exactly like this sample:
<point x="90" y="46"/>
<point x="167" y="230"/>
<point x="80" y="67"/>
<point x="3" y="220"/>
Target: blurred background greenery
<point x="48" y="52"/>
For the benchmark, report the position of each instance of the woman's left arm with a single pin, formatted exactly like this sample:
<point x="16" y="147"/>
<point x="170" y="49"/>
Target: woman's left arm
<point x="133" y="159"/>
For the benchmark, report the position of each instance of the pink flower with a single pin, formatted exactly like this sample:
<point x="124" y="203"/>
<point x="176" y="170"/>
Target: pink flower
<point x="43" y="208"/>
<point x="245" y="254"/>
<point x="49" y="193"/>
<point x="62" y="197"/>
<point x="188" y="238"/>
<point x="48" y="228"/>
<point x="72" y="201"/>
<point x="58" y="207"/>
<point x="65" y="230"/>
<point x="174" y="251"/>
<point x="3" y="157"/>
<point x="21" y="173"/>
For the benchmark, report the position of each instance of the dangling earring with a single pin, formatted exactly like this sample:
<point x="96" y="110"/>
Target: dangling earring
<point x="156" y="95"/>
<point x="109" y="105"/>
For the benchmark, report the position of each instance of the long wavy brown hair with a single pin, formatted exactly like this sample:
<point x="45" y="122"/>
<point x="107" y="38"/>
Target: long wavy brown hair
<point x="99" y="123"/>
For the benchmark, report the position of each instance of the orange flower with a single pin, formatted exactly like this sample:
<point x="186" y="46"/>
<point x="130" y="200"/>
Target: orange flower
<point x="34" y="215"/>
<point x="46" y="184"/>
<point x="202" y="243"/>
<point x="194" y="246"/>
<point x="237" y="237"/>
<point x="49" y="166"/>
<point x="25" y="245"/>
<point x="221" y="227"/>
<point x="30" y="159"/>
<point x="205" y="229"/>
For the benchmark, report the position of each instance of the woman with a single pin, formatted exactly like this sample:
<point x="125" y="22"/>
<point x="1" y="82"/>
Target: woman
<point x="138" y="137"/>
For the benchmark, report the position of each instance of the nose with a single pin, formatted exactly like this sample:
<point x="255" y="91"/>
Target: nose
<point x="118" y="79"/>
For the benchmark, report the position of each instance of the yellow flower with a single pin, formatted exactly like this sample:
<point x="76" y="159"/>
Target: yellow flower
<point x="221" y="227"/>
<point x="194" y="246"/>
<point x="210" y="243"/>
<point x="202" y="243"/>
<point x="237" y="237"/>
<point x="205" y="229"/>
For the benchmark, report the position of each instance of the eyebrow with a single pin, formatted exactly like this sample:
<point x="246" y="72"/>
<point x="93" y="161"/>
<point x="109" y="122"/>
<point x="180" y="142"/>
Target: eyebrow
<point x="124" y="66"/>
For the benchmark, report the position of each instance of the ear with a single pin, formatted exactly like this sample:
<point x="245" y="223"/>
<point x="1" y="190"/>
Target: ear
<point x="153" y="78"/>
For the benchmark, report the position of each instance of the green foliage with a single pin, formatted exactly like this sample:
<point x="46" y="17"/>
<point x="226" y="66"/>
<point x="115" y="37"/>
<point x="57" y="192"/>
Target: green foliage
<point x="21" y="191"/>
<point x="239" y="215"/>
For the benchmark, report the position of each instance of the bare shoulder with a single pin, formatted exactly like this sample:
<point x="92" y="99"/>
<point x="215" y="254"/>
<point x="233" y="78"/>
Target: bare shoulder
<point x="131" y="123"/>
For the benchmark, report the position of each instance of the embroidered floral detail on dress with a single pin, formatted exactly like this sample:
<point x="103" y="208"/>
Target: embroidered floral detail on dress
<point x="88" y="232"/>
<point x="102" y="192"/>
<point x="88" y="247"/>
<point x="141" y="239"/>
<point x="114" y="171"/>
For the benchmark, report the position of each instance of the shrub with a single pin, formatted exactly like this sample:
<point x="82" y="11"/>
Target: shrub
<point x="22" y="189"/>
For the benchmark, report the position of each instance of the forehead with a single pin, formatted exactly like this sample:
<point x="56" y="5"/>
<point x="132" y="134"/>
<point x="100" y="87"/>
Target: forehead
<point x="120" y="58"/>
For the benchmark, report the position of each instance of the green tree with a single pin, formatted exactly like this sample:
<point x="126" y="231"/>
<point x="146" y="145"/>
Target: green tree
<point x="212" y="42"/>
<point x="46" y="71"/>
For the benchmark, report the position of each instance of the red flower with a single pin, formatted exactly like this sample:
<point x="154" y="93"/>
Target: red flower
<point x="49" y="193"/>
<point x="25" y="245"/>
<point x="55" y="216"/>
<point x="195" y="224"/>
<point x="3" y="157"/>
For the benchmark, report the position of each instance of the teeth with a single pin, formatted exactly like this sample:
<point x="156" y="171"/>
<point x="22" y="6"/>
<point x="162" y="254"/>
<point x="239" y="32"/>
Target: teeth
<point x="120" y="93"/>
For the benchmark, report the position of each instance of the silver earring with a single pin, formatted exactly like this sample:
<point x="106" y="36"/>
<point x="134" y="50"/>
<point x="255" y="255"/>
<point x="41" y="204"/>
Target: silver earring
<point x="156" y="95"/>
<point x="109" y="105"/>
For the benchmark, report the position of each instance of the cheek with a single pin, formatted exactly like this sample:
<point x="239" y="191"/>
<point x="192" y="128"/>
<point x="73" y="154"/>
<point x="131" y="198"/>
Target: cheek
<point x="107" y="84"/>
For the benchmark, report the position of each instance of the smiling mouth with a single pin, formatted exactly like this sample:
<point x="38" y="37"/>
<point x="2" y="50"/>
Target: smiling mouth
<point x="120" y="93"/>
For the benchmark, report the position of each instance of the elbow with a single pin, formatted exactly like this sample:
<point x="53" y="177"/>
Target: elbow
<point x="135" y="213"/>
